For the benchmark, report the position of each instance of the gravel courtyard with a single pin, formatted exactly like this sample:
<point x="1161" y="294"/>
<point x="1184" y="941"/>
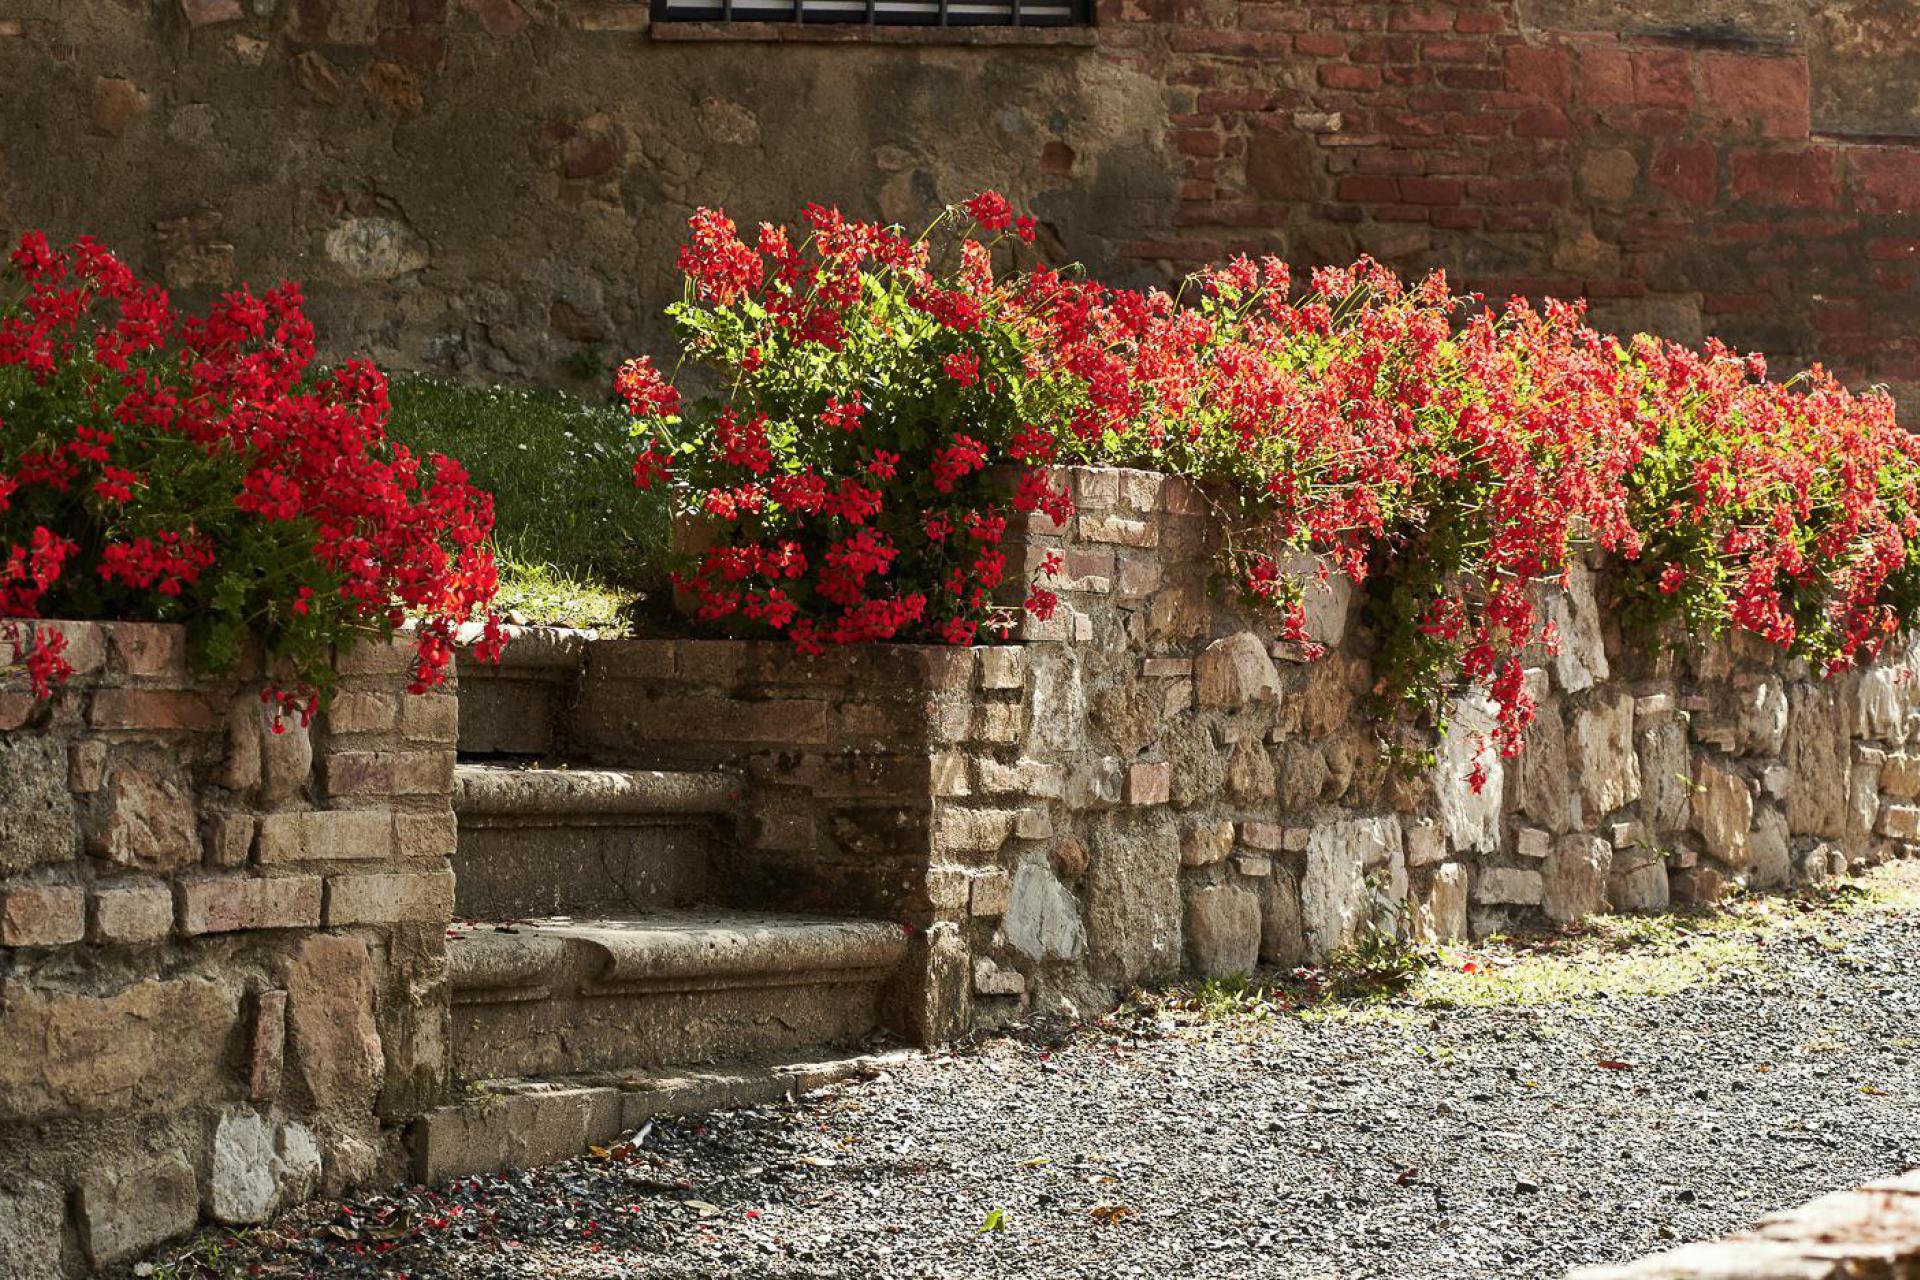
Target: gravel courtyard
<point x="1520" y="1114"/>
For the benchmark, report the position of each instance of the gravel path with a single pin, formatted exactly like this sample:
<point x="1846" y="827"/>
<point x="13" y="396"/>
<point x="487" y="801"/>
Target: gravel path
<point x="1505" y="1142"/>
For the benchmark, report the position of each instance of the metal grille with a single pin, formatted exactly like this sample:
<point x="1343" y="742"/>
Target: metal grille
<point x="898" y="13"/>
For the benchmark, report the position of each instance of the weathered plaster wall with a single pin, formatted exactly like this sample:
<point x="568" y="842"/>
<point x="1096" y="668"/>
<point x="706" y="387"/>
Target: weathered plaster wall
<point x="1150" y="785"/>
<point x="496" y="187"/>
<point x="222" y="974"/>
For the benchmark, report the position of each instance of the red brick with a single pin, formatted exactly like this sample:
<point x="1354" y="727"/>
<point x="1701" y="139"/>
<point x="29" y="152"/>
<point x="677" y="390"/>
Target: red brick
<point x="1540" y="73"/>
<point x="1423" y="18"/>
<point x="1687" y="171"/>
<point x="1614" y="76"/>
<point x="1768" y="94"/>
<point x="1432" y="190"/>
<point x="1517" y="191"/>
<point x="200" y="13"/>
<point x="1390" y="160"/>
<point x="1195" y="142"/>
<point x="1479" y="24"/>
<point x="1368" y="190"/>
<point x="1542" y="122"/>
<point x="1792" y="179"/>
<point x="1453" y="51"/>
<point x="1359" y="79"/>
<point x="1885" y="179"/>
<point x="1887" y="249"/>
<point x="1320" y="44"/>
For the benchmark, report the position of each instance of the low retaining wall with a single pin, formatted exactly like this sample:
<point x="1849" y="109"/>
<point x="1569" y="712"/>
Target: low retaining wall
<point x="221" y="948"/>
<point x="1869" y="1234"/>
<point x="1150" y="785"/>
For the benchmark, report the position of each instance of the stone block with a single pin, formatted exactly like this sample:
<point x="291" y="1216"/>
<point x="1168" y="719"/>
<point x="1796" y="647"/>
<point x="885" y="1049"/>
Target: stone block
<point x="389" y="897"/>
<point x="266" y="1044"/>
<point x="389" y="773"/>
<point x="42" y="915"/>
<point x="1440" y="914"/>
<point x="1223" y="927"/>
<point x="333" y="1043"/>
<point x="1723" y="813"/>
<point x="1283" y="937"/>
<point x="1471" y="815"/>
<point x="1602" y="750"/>
<point x="37" y="817"/>
<point x="1334" y="898"/>
<point x="989" y="979"/>
<point x="153" y="649"/>
<point x="1574" y="878"/>
<point x="418" y="836"/>
<point x="1509" y="886"/>
<point x="86" y="766"/>
<point x="1134" y="910"/>
<point x="1042" y="919"/>
<point x="1149" y="783"/>
<point x="990" y="893"/>
<point x="233" y="903"/>
<point x="430" y="717"/>
<point x="1426" y="843"/>
<point x="1899" y="821"/>
<point x="1268" y="837"/>
<point x="950" y="774"/>
<point x="32" y="1223"/>
<point x="152" y="709"/>
<point x="1003" y="667"/>
<point x="131" y="913"/>
<point x="148" y="820"/>
<point x="1034" y="823"/>
<point x="1253" y="866"/>
<point x="129" y="1207"/>
<point x="356" y="712"/>
<point x="961" y="832"/>
<point x="326" y="835"/>
<point x="1532" y="842"/>
<point x="1637" y="881"/>
<point x="1236" y="672"/>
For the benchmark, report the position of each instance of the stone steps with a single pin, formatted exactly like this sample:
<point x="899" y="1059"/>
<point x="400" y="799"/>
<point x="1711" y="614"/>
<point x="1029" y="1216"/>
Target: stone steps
<point x="562" y="996"/>
<point x="525" y="1122"/>
<point x="550" y="841"/>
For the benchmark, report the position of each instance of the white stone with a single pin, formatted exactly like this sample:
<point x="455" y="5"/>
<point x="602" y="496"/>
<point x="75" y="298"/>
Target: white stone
<point x="1043" y="918"/>
<point x="1532" y="842"/>
<point x="1582" y="660"/>
<point x="1327" y="601"/>
<point x="1334" y="899"/>
<point x="376" y="248"/>
<point x="1772" y="860"/>
<point x="1426" y="843"/>
<point x="243" y="1187"/>
<point x="1602" y="748"/>
<point x="299" y="1157"/>
<point x="989" y="979"/>
<point x="1472" y="819"/>
<point x="1761" y="704"/>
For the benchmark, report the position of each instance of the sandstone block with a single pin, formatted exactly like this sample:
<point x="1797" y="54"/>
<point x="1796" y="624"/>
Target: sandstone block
<point x="1223" y="930"/>
<point x="1426" y="843"/>
<point x="232" y="903"/>
<point x="152" y="709"/>
<point x="989" y="893"/>
<point x="148" y="821"/>
<point x="1334" y="899"/>
<point x="430" y="717"/>
<point x="326" y="835"/>
<point x="1472" y="817"/>
<point x="389" y="897"/>
<point x="1723" y="813"/>
<point x="1133" y="906"/>
<point x="1602" y="746"/>
<point x="1149" y="783"/>
<point x="131" y="913"/>
<point x="1638" y="881"/>
<point x="1235" y="672"/>
<point x="333" y="1045"/>
<point x="989" y="979"/>
<point x="266" y="1045"/>
<point x="42" y="915"/>
<point x="1268" y="837"/>
<point x="1441" y="914"/>
<point x="1283" y="936"/>
<point x="149" y="648"/>
<point x="1772" y="859"/>
<point x="355" y="712"/>
<point x="1003" y="667"/>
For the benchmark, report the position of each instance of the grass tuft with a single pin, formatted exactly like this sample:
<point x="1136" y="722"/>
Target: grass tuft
<point x="578" y="544"/>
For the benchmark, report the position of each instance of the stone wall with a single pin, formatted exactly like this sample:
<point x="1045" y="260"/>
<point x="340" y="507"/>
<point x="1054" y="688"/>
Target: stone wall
<point x="1149" y="785"/>
<point x="221" y="948"/>
<point x="1745" y="167"/>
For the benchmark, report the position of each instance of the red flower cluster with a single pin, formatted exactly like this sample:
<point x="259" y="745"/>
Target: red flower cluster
<point x="154" y="466"/>
<point x="845" y="480"/>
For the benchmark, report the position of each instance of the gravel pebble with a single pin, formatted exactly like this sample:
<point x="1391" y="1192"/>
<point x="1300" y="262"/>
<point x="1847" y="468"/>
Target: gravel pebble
<point x="1507" y="1142"/>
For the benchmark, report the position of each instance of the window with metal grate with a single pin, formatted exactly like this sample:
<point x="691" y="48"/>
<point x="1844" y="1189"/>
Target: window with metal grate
<point x="898" y="13"/>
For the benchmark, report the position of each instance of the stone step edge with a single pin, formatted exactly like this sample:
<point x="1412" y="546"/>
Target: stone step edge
<point x="523" y="1124"/>
<point x="528" y="649"/>
<point x="707" y="953"/>
<point x="491" y="794"/>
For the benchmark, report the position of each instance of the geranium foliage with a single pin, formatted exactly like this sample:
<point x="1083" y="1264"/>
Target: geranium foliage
<point x="159" y="466"/>
<point x="1456" y="455"/>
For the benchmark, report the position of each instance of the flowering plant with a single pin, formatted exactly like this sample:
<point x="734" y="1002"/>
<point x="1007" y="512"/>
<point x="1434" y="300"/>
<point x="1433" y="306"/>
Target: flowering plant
<point x="1457" y="456"/>
<point x="848" y="470"/>
<point x="164" y="467"/>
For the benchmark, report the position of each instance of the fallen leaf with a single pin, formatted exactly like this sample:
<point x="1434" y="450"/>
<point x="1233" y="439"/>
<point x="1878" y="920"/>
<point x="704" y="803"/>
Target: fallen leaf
<point x="1614" y="1064"/>
<point x="1110" y="1213"/>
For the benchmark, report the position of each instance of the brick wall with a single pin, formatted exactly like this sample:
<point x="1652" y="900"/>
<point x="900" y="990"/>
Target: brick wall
<point x="221" y="947"/>
<point x="1741" y="167"/>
